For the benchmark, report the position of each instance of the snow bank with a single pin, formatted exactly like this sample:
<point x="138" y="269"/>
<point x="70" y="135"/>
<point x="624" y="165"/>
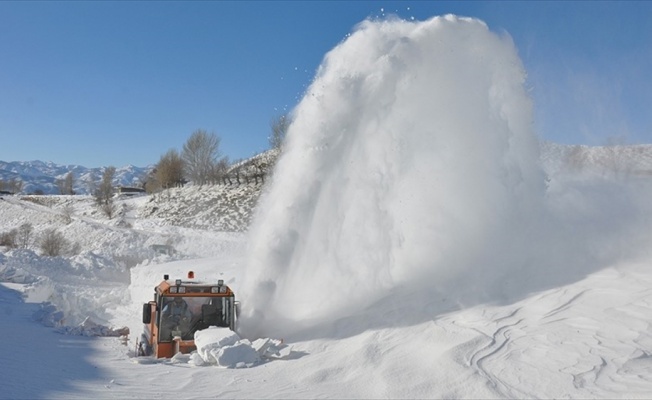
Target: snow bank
<point x="77" y="293"/>
<point x="14" y="274"/>
<point x="90" y="328"/>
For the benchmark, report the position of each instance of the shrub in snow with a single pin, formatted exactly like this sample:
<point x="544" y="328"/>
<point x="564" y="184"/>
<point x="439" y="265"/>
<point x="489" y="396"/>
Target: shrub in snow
<point x="8" y="239"/>
<point x="52" y="243"/>
<point x="67" y="212"/>
<point x="24" y="237"/>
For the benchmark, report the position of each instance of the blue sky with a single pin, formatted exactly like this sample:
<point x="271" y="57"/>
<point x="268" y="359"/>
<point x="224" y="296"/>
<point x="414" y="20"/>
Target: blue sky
<point x="98" y="83"/>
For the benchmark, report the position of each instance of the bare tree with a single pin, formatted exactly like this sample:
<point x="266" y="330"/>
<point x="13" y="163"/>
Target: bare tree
<point x="59" y="183"/>
<point x="52" y="243"/>
<point x="109" y="209"/>
<point x="15" y="185"/>
<point x="24" y="236"/>
<point x="200" y="154"/>
<point x="169" y="170"/>
<point x="219" y="170"/>
<point x="104" y="193"/>
<point x="152" y="185"/>
<point x="144" y="178"/>
<point x="69" y="183"/>
<point x="89" y="181"/>
<point x="279" y="127"/>
<point x="65" y="185"/>
<point x="67" y="212"/>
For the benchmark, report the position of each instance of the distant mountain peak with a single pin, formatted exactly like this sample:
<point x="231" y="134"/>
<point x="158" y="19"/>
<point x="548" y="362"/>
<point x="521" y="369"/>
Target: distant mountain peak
<point x="41" y="176"/>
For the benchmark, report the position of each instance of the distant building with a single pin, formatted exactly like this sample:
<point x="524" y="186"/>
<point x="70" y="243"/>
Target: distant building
<point x="129" y="191"/>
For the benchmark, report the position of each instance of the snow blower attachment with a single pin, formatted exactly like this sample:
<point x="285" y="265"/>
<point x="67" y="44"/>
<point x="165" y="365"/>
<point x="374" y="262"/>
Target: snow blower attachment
<point x="180" y="309"/>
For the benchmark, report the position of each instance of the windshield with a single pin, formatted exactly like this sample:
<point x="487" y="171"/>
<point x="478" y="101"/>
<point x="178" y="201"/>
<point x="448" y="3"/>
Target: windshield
<point x="183" y="316"/>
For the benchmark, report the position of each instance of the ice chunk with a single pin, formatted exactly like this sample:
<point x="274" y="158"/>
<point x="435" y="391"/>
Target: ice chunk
<point x="239" y="355"/>
<point x="223" y="347"/>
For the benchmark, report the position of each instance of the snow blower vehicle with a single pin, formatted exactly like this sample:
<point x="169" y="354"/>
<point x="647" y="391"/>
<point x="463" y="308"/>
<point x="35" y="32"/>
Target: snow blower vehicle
<point x="181" y="308"/>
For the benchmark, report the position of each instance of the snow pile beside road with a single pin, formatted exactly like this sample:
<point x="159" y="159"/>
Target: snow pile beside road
<point x="14" y="274"/>
<point x="91" y="328"/>
<point x="78" y="293"/>
<point x="224" y="348"/>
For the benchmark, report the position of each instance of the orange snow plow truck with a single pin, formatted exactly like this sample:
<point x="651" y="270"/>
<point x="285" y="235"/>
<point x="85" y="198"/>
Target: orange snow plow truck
<point x="181" y="308"/>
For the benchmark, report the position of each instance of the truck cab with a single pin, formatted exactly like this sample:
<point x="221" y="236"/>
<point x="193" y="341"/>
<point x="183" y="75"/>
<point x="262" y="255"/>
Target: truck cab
<point x="179" y="309"/>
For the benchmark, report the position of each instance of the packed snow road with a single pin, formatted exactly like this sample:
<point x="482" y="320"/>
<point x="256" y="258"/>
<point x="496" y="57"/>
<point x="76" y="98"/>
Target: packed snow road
<point x="589" y="339"/>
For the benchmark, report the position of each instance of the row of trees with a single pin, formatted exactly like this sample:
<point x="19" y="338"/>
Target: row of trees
<point x="64" y="185"/>
<point x="12" y="185"/>
<point x="200" y="161"/>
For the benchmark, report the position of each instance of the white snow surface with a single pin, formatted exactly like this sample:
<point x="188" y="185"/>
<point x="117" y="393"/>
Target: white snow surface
<point x="413" y="243"/>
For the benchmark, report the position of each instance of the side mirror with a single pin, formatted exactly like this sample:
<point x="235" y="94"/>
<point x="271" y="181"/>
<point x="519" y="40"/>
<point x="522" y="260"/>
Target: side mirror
<point x="147" y="313"/>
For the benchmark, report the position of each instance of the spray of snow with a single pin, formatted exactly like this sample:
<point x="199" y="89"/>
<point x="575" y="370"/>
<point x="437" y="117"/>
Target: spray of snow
<point x="411" y="161"/>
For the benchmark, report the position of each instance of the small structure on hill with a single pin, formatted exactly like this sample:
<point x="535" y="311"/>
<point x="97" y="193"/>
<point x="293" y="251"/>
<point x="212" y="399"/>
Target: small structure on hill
<point x="129" y="191"/>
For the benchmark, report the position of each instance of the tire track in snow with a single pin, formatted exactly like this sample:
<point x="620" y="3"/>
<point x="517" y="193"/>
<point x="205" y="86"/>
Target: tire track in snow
<point x="565" y="305"/>
<point x="498" y="342"/>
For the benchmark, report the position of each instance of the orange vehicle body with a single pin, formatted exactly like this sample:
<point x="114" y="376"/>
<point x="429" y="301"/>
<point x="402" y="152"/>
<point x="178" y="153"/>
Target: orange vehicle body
<point x="206" y="304"/>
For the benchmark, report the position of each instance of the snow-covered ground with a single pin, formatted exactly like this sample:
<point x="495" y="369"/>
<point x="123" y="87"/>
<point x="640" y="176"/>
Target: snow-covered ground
<point x="410" y="245"/>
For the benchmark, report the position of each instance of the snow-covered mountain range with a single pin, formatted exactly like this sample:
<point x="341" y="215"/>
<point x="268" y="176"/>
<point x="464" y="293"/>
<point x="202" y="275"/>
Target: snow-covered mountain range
<point x="41" y="177"/>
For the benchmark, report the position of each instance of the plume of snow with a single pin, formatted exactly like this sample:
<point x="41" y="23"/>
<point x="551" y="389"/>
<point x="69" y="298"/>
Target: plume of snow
<point x="411" y="162"/>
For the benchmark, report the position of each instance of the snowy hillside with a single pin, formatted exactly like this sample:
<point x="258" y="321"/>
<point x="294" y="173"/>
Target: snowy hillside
<point x="605" y="160"/>
<point x="415" y="242"/>
<point x="39" y="176"/>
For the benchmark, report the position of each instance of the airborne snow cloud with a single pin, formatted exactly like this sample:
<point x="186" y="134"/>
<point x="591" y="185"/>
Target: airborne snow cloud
<point x="412" y="165"/>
